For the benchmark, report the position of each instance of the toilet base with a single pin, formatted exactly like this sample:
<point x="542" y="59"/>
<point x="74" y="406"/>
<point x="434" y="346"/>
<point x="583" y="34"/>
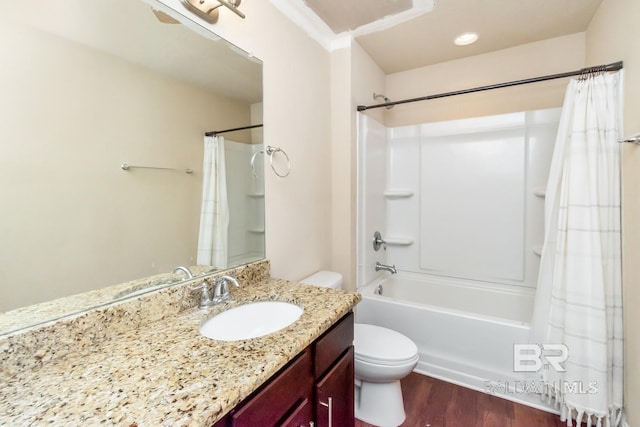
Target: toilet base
<point x="380" y="404"/>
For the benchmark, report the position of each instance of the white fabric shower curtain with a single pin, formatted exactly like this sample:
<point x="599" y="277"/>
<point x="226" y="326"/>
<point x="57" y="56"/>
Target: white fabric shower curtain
<point x="214" y="214"/>
<point x="579" y="294"/>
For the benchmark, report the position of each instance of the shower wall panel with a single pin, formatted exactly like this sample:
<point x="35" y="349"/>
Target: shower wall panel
<point x="465" y="198"/>
<point x="472" y="204"/>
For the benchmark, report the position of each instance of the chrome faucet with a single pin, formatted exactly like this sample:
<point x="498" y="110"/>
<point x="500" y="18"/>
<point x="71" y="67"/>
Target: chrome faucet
<point x="185" y="270"/>
<point x="220" y="291"/>
<point x="390" y="268"/>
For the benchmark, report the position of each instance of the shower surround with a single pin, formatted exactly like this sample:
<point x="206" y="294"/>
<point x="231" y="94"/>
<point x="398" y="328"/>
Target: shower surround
<point x="461" y="207"/>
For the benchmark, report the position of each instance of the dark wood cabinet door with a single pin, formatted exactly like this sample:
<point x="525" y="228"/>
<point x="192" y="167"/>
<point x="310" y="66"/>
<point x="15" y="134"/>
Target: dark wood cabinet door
<point x="334" y="394"/>
<point x="279" y="397"/>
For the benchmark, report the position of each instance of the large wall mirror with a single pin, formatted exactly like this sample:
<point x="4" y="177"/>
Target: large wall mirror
<point x="87" y="85"/>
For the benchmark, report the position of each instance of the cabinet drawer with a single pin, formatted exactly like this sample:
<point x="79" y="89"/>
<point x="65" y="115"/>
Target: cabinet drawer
<point x="301" y="416"/>
<point x="332" y="344"/>
<point x="279" y="397"/>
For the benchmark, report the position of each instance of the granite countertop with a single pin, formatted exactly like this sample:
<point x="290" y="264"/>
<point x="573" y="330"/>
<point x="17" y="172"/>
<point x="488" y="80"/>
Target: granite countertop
<point x="165" y="373"/>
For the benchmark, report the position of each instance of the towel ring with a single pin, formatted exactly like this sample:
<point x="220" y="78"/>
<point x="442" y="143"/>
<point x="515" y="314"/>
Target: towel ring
<point x="271" y="151"/>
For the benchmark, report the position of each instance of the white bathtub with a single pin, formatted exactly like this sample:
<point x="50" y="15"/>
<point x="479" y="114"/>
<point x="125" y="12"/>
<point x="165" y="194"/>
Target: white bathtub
<point x="465" y="332"/>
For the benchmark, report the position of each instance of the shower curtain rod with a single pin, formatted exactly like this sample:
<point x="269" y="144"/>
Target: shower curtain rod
<point x="216" y="132"/>
<point x="597" y="69"/>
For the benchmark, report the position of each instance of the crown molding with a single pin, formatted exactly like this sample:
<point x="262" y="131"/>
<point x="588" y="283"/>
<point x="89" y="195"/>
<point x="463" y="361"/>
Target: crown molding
<point x="301" y="15"/>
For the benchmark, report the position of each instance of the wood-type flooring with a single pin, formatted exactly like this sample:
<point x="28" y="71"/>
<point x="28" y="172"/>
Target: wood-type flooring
<point x="430" y="402"/>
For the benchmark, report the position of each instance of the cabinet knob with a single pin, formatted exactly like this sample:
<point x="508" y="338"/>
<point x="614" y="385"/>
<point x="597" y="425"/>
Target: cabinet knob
<point x="329" y="406"/>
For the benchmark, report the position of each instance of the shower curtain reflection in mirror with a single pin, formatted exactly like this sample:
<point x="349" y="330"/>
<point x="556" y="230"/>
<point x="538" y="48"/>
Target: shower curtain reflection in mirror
<point x="232" y="213"/>
<point x="214" y="214"/>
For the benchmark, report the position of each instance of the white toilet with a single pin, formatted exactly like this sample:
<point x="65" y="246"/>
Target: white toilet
<point x="382" y="358"/>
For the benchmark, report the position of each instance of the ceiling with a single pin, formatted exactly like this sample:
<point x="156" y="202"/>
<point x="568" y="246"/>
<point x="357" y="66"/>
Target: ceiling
<point x="427" y="38"/>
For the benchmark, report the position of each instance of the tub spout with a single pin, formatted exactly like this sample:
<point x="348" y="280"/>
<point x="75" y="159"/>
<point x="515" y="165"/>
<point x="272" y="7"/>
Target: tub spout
<point x="390" y="268"/>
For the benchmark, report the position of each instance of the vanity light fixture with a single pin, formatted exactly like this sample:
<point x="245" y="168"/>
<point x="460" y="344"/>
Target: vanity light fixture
<point x="208" y="9"/>
<point x="466" y="39"/>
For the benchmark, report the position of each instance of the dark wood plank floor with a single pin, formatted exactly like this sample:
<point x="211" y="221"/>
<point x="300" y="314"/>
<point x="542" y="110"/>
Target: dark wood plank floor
<point x="429" y="402"/>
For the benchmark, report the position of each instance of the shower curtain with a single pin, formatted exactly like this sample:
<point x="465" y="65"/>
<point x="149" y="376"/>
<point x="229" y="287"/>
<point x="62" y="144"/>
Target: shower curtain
<point x="579" y="294"/>
<point x="214" y="214"/>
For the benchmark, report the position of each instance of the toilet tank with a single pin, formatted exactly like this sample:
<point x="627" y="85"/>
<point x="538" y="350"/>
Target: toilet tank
<point x="324" y="278"/>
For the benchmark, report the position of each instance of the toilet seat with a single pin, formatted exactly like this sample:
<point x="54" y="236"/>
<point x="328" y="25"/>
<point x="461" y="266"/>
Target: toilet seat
<point x="382" y="346"/>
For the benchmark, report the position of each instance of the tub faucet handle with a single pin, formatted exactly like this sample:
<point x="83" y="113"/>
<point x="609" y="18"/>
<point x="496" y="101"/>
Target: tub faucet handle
<point x="378" y="241"/>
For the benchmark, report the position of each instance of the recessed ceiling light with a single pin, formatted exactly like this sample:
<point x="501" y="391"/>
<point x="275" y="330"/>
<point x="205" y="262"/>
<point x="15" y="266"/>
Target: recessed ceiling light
<point x="465" y="39"/>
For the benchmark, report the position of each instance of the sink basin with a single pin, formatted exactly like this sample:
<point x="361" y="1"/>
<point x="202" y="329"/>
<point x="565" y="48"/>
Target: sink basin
<point x="251" y="320"/>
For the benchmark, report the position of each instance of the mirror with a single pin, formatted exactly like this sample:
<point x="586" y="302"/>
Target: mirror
<point x="88" y="85"/>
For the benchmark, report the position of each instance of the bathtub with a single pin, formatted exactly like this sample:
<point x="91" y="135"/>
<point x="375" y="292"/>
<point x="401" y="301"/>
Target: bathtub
<point x="465" y="332"/>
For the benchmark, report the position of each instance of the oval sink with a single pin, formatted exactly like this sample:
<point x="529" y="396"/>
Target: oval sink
<point x="251" y="320"/>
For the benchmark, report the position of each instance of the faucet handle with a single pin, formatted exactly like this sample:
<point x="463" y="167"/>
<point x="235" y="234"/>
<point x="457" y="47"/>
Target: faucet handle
<point x="378" y="241"/>
<point x="206" y="299"/>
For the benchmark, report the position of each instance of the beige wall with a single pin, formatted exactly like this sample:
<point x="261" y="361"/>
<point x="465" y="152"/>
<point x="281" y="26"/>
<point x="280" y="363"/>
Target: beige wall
<point x="367" y="78"/>
<point x="342" y="193"/>
<point x="70" y="116"/>
<point x="354" y="78"/>
<point x="531" y="60"/>
<point x="613" y="36"/>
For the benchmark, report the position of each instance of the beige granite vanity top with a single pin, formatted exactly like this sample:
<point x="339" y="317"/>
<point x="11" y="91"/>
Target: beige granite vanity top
<point x="164" y="373"/>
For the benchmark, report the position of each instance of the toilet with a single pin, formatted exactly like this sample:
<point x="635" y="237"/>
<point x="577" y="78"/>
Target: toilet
<point x="382" y="358"/>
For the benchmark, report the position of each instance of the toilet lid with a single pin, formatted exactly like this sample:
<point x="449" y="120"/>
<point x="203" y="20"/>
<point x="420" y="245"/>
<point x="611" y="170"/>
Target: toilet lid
<point x="383" y="346"/>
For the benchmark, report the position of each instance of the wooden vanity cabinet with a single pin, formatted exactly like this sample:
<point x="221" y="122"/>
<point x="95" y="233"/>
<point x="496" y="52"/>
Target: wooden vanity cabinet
<point x="314" y="389"/>
<point x="334" y="376"/>
<point x="281" y="395"/>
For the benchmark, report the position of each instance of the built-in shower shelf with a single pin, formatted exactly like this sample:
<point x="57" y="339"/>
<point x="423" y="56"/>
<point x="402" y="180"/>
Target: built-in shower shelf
<point x="399" y="241"/>
<point x="398" y="194"/>
<point x="540" y="192"/>
<point x="537" y="250"/>
<point x="256" y="230"/>
<point x="255" y="195"/>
